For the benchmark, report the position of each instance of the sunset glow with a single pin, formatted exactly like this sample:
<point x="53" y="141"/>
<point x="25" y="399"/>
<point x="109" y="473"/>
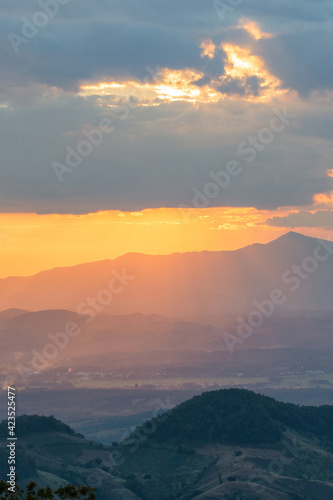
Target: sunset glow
<point x="241" y="64"/>
<point x="324" y="199"/>
<point x="208" y="49"/>
<point x="166" y="249"/>
<point x="253" y="29"/>
<point x="168" y="86"/>
<point x="30" y="243"/>
<point x="183" y="103"/>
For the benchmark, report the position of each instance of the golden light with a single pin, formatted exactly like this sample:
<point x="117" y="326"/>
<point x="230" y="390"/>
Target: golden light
<point x="34" y="242"/>
<point x="104" y="85"/>
<point x="323" y="199"/>
<point x="253" y="29"/>
<point x="114" y="91"/>
<point x="208" y="49"/>
<point x="168" y="85"/>
<point x="241" y="64"/>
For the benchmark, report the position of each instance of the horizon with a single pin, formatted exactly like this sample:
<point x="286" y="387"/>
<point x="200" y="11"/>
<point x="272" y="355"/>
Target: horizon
<point x="31" y="243"/>
<point x="155" y="255"/>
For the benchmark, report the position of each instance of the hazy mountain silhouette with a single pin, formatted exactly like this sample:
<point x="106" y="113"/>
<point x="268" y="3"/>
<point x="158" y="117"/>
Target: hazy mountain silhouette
<point x="24" y="334"/>
<point x="188" y="286"/>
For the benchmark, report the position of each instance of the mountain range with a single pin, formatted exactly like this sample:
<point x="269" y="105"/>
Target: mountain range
<point x="202" y="286"/>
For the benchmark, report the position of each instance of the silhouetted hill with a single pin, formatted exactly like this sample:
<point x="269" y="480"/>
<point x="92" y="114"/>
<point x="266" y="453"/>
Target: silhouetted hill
<point x="292" y="341"/>
<point x="261" y="450"/>
<point x="239" y="416"/>
<point x="30" y="332"/>
<point x="230" y="444"/>
<point x="11" y="313"/>
<point x="188" y="286"/>
<point x="49" y="452"/>
<point x="29" y="424"/>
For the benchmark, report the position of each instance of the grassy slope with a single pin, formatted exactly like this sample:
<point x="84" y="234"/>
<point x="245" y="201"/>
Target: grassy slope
<point x="165" y="463"/>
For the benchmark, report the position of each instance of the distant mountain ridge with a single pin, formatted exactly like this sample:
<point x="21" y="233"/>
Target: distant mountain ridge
<point x="187" y="286"/>
<point x="24" y="335"/>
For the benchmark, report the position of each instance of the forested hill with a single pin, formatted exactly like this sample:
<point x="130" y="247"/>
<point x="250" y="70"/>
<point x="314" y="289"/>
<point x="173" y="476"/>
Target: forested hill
<point x="28" y="424"/>
<point x="222" y="444"/>
<point x="240" y="417"/>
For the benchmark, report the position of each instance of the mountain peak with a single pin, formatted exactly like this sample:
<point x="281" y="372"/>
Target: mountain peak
<point x="292" y="237"/>
<point x="293" y="233"/>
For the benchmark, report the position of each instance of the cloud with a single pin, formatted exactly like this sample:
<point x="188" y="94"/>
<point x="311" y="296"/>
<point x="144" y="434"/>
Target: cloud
<point x="119" y="39"/>
<point x="232" y="78"/>
<point x="208" y="49"/>
<point x="321" y="218"/>
<point x="254" y="30"/>
<point x="300" y="60"/>
<point x="109" y="40"/>
<point x="156" y="156"/>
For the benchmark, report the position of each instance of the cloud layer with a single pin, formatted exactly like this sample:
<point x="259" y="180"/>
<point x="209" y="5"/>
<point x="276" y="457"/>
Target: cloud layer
<point x="185" y="91"/>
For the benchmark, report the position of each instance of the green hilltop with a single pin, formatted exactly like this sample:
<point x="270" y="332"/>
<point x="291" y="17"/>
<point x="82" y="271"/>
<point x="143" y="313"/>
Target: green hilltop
<point x="232" y="444"/>
<point x="239" y="416"/>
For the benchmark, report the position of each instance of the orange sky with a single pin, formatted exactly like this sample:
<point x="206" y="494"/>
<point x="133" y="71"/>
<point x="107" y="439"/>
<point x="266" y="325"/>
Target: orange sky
<point x="30" y="243"/>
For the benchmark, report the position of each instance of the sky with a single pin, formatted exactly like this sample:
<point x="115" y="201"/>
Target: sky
<point x="161" y="126"/>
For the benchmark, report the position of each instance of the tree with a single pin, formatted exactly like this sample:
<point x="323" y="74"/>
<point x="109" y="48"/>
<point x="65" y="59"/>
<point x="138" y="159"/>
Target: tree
<point x="69" y="492"/>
